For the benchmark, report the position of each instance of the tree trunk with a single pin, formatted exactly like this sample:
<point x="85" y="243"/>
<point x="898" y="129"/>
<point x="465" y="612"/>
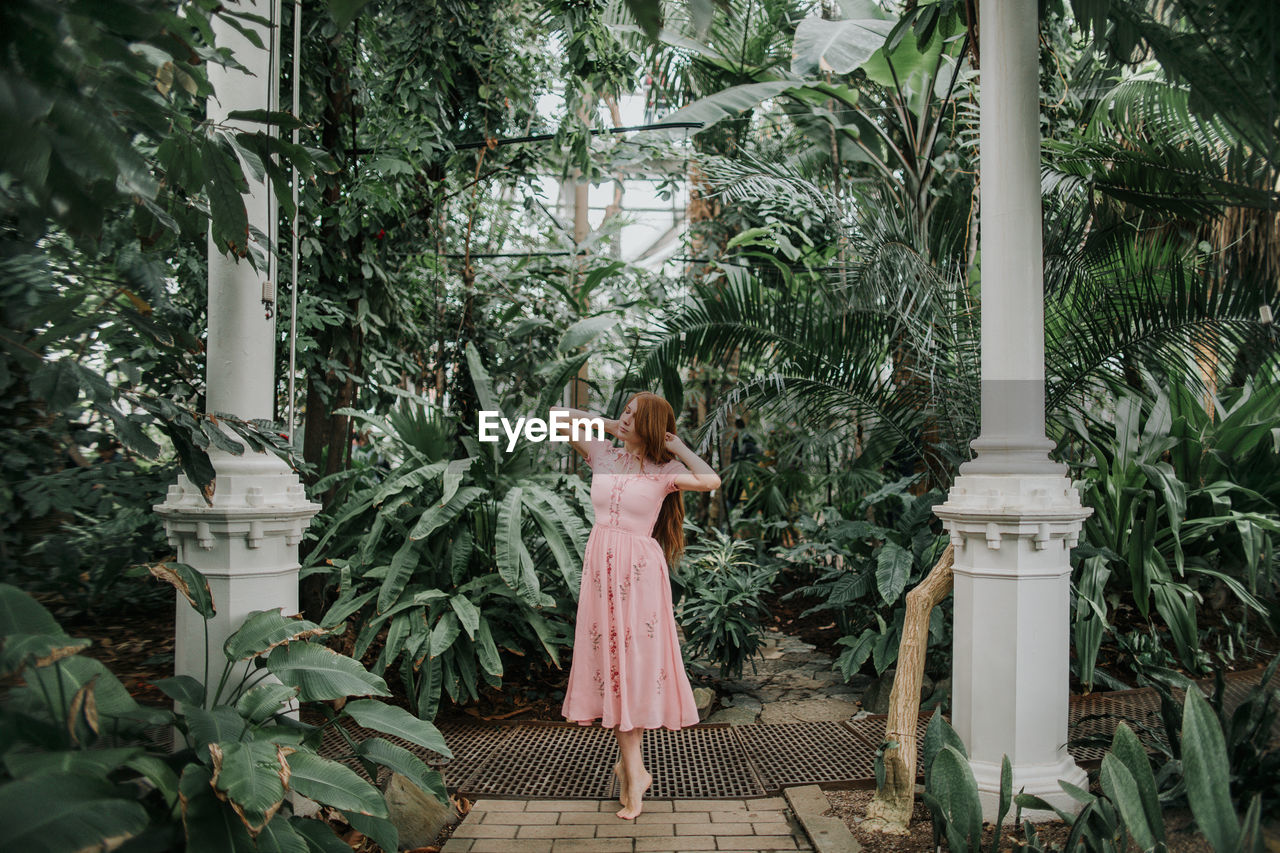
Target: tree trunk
<point x="890" y="811"/>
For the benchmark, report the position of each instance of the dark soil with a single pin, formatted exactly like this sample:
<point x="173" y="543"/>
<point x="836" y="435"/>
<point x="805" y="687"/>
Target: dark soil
<point x="819" y="628"/>
<point x="851" y="806"/>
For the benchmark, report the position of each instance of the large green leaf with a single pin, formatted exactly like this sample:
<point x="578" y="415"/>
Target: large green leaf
<point x="347" y="604"/>
<point x="570" y="564"/>
<point x="1122" y="789"/>
<point x="403" y="564"/>
<point x="515" y="564"/>
<point x="585" y="331"/>
<point x="937" y="735"/>
<point x="444" y="633"/>
<point x="565" y="515"/>
<point x="332" y="784"/>
<point x="217" y="725"/>
<point x="728" y="103"/>
<point x="280" y="836"/>
<point x="1126" y="747"/>
<point x="893" y="567"/>
<point x="189" y="582"/>
<point x="453" y="475"/>
<point x="405" y="763"/>
<point x="487" y="650"/>
<point x="224" y="184"/>
<point x="209" y="824"/>
<point x="467" y="612"/>
<point x="397" y="722"/>
<point x="59" y="812"/>
<point x="22" y="614"/>
<point x="320" y="673"/>
<point x="951" y="782"/>
<point x="1207" y="773"/>
<point x="439" y="515"/>
<point x="485" y="393"/>
<point x="251" y="776"/>
<point x="92" y="763"/>
<point x="319" y="836"/>
<point x="264" y="630"/>
<point x="382" y="831"/>
<point x="115" y="707"/>
<point x="839" y="46"/>
<point x="23" y="650"/>
<point x="264" y="701"/>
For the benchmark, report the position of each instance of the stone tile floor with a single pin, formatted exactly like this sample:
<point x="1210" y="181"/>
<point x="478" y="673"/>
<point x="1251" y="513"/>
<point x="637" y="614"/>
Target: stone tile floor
<point x="590" y="826"/>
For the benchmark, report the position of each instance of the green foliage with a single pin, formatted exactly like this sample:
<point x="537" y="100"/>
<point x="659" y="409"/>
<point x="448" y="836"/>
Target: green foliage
<point x="453" y="558"/>
<point x="1175" y="511"/>
<point x="1129" y="804"/>
<point x="721" y="612"/>
<point x="76" y="768"/>
<point x="867" y="566"/>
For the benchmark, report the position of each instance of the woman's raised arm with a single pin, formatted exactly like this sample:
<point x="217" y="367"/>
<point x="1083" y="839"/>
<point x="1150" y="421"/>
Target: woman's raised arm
<point x="610" y="426"/>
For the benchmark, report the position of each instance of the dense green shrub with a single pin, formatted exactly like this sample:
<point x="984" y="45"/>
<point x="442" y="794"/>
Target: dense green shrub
<point x="1201" y="770"/>
<point x="722" y="613"/>
<point x="1183" y="503"/>
<point x="865" y="566"/>
<point x="448" y="560"/>
<point x="78" y="770"/>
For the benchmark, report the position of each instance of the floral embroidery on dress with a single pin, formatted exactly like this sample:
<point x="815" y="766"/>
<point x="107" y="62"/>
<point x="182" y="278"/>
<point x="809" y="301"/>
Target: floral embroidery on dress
<point x="595" y="637"/>
<point x="599" y="679"/>
<point x="662" y="678"/>
<point x="636" y="572"/>
<point x="626" y="640"/>
<point x="651" y="625"/>
<point x="615" y="678"/>
<point x="624" y="587"/>
<point x="615" y="498"/>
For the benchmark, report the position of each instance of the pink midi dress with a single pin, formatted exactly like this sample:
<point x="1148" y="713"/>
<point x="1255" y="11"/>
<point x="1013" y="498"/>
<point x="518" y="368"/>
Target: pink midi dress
<point x="627" y="670"/>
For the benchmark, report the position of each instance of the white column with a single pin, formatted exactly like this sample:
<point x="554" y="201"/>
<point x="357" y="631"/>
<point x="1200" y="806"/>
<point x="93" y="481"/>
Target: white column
<point x="246" y="541"/>
<point x="1012" y="513"/>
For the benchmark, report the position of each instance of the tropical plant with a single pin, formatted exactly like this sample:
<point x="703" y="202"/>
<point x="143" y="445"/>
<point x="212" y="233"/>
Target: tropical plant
<point x="1128" y="805"/>
<point x="1167" y="529"/>
<point x="113" y="175"/>
<point x="452" y="557"/>
<point x="1253" y="765"/>
<point x="79" y="771"/>
<point x="869" y="562"/>
<point x="721" y="610"/>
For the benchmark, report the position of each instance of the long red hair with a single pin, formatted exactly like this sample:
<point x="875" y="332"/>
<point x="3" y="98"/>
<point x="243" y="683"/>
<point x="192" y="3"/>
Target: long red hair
<point x="654" y="418"/>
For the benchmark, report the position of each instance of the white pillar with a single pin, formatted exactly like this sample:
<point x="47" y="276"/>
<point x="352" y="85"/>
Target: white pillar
<point x="1012" y="513"/>
<point x="246" y="542"/>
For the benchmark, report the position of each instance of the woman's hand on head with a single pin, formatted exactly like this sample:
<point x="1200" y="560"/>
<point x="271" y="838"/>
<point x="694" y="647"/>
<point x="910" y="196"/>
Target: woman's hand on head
<point x="673" y="442"/>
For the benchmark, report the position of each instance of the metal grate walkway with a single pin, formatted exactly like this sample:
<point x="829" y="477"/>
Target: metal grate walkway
<point x="564" y="760"/>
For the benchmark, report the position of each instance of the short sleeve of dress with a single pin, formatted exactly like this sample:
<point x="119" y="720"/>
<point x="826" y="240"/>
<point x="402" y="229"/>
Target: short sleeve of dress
<point x="596" y="450"/>
<point x="673" y="469"/>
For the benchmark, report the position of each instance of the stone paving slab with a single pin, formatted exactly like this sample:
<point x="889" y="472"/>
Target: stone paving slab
<point x="666" y="826"/>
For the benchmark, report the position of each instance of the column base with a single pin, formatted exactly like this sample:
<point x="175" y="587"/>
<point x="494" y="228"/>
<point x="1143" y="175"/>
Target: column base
<point x="1040" y="780"/>
<point x="244" y="543"/>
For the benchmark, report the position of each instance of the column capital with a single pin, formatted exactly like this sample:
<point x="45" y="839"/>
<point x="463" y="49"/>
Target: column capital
<point x="256" y="497"/>
<point x="988" y="509"/>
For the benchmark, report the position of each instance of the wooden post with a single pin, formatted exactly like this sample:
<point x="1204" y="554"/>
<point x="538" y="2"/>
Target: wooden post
<point x="890" y="811"/>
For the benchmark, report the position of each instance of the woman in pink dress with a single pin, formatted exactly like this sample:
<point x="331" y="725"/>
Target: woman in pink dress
<point x="627" y="669"/>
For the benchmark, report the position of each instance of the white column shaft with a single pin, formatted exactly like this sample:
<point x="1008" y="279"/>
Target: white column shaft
<point x="1012" y="514"/>
<point x="241" y="346"/>
<point x="244" y="538"/>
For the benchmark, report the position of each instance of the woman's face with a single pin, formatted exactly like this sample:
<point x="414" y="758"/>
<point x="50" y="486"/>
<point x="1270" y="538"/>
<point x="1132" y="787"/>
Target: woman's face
<point x="626" y="423"/>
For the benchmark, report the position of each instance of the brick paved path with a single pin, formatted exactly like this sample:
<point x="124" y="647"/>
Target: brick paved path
<point x="590" y="826"/>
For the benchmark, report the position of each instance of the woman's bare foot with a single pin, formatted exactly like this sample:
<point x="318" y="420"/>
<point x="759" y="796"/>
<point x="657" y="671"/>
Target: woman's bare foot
<point x="635" y="793"/>
<point x="621" y="773"/>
